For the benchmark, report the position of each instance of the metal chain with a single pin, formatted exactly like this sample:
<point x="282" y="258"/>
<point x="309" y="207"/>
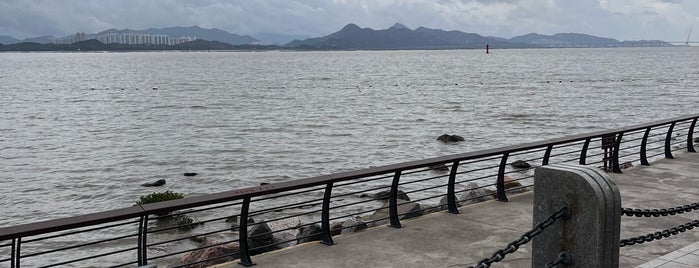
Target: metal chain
<point x="499" y="255"/>
<point x="659" y="212"/>
<point x="659" y="235"/>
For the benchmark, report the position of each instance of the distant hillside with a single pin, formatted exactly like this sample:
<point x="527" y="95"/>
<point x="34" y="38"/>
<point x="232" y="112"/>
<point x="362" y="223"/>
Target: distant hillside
<point x="94" y="45"/>
<point x="562" y="38"/>
<point x="8" y="40"/>
<point x="397" y="37"/>
<point x="41" y="39"/>
<point x="195" y="31"/>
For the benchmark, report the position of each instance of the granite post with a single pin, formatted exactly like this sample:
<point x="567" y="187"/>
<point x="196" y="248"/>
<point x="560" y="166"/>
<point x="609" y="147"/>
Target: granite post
<point x="591" y="235"/>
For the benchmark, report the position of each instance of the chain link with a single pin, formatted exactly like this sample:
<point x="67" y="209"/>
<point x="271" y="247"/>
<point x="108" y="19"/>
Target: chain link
<point x="659" y="212"/>
<point x="499" y="255"/>
<point x="659" y="235"/>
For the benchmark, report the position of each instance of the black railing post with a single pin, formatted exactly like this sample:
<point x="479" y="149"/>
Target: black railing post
<point x="547" y="155"/>
<point x="451" y="190"/>
<point x="583" y="151"/>
<point x="668" y="138"/>
<point x="644" y="145"/>
<point x="615" y="154"/>
<point x="500" y="183"/>
<point x="393" y="202"/>
<point x="690" y="137"/>
<point x="243" y="249"/>
<point x="142" y="241"/>
<point x="325" y="216"/>
<point x="16" y="243"/>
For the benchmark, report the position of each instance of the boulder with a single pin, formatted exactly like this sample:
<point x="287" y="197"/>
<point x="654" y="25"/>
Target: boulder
<point x="446" y="138"/>
<point x="184" y="222"/>
<point x="384" y="195"/>
<point x="260" y="235"/>
<point x="440" y="168"/>
<point x="520" y="164"/>
<point x="154" y="184"/>
<point x="406" y="210"/>
<point x="210" y="256"/>
<point x="625" y="165"/>
<point x="190" y="174"/>
<point x="475" y="194"/>
<point x="309" y="233"/>
<point x="510" y="183"/>
<point x="285" y="232"/>
<point x="353" y="224"/>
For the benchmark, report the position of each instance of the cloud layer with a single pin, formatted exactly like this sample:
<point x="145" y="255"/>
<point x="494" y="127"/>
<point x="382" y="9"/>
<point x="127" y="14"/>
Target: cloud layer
<point x="621" y="19"/>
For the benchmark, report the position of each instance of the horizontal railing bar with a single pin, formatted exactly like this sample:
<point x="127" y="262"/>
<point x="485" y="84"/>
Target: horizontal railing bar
<point x="289" y="194"/>
<point x="289" y="206"/>
<point x="360" y="181"/>
<point x="202" y="209"/>
<point x="78" y="246"/>
<point x="424" y="179"/>
<point x="527" y="152"/>
<point x="355" y="203"/>
<point x="353" y="214"/>
<point x="188" y="237"/>
<point x="362" y="191"/>
<point x="189" y="250"/>
<point x="90" y="257"/>
<point x="77" y="232"/>
<point x="23" y="230"/>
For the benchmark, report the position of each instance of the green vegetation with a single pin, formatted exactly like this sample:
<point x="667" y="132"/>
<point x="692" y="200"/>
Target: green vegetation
<point x="159" y="197"/>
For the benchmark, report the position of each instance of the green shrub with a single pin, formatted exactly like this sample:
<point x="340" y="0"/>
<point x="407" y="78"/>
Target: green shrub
<point x="159" y="197"/>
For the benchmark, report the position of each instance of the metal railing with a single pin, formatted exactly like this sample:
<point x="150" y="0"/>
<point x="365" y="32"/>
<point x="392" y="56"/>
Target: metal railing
<point x="138" y="236"/>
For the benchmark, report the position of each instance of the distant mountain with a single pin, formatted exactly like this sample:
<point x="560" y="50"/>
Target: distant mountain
<point x="274" y="38"/>
<point x="46" y="39"/>
<point x="195" y="31"/>
<point x="8" y="40"/>
<point x="397" y="37"/>
<point x="94" y="45"/>
<point x="561" y="39"/>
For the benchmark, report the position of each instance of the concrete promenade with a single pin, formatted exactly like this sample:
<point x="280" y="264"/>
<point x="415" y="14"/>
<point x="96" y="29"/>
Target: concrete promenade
<point x="447" y="240"/>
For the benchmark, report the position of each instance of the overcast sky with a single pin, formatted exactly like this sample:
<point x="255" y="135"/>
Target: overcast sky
<point x="621" y="19"/>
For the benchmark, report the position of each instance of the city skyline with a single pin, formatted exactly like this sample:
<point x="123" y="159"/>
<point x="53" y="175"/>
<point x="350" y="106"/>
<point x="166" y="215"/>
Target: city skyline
<point x="272" y="19"/>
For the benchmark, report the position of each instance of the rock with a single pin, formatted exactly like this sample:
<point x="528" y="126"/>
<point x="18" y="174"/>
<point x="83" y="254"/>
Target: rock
<point x="154" y="184"/>
<point x="439" y="168"/>
<point x="475" y="194"/>
<point x="406" y="210"/>
<point x="260" y="235"/>
<point x="285" y="232"/>
<point x="520" y="164"/>
<point x="444" y="204"/>
<point x="309" y="233"/>
<point x="625" y="165"/>
<point x="336" y="228"/>
<point x="198" y="257"/>
<point x="184" y="222"/>
<point x="364" y="195"/>
<point x="353" y="224"/>
<point x="190" y="174"/>
<point x="384" y="195"/>
<point x="264" y="183"/>
<point x="510" y="183"/>
<point x="450" y="138"/>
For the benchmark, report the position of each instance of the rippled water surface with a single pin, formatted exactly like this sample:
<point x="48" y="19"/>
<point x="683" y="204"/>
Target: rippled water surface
<point x="79" y="132"/>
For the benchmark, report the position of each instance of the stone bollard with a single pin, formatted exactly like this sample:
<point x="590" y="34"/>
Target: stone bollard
<point x="591" y="235"/>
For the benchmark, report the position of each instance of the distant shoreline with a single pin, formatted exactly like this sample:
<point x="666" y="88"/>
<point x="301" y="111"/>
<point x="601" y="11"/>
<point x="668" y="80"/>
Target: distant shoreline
<point x="205" y="45"/>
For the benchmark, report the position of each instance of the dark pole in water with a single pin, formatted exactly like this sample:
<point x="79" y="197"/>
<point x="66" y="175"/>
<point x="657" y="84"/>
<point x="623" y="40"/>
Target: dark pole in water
<point x="487" y="49"/>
